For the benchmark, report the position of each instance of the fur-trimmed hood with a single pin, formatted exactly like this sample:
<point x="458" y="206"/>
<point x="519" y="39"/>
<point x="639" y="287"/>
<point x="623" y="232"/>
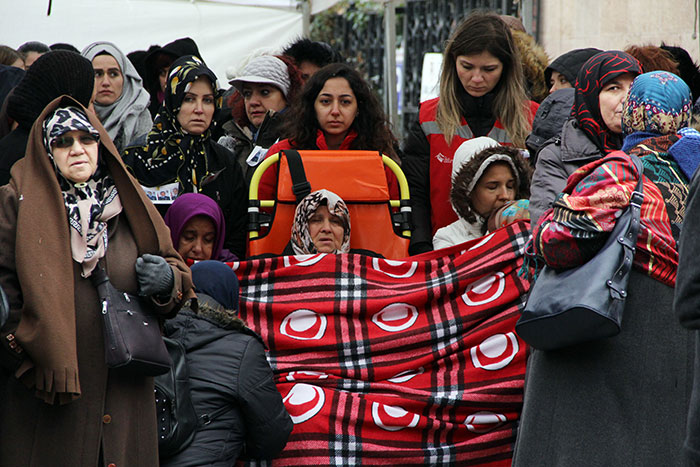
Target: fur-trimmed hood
<point x="534" y="60"/>
<point x="205" y="321"/>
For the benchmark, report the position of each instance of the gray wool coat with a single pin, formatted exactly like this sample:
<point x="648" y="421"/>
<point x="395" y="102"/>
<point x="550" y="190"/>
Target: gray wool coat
<point x="620" y="401"/>
<point x="558" y="159"/>
<point x="687" y="305"/>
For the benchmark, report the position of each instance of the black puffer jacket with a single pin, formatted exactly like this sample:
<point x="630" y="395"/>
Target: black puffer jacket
<point x="227" y="366"/>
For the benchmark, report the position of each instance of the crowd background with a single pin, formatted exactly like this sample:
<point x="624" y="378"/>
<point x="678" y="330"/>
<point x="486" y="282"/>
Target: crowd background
<point x="98" y="123"/>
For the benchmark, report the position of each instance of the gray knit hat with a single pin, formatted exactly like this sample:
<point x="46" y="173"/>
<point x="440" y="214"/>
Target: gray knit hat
<point x="266" y="69"/>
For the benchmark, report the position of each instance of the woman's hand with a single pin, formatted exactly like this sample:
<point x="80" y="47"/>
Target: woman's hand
<point x="154" y="275"/>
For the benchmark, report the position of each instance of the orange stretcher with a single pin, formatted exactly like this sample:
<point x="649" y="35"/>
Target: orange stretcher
<point x="378" y="223"/>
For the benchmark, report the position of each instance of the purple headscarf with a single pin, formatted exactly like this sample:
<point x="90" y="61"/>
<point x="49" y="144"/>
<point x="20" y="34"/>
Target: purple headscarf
<point x="188" y="205"/>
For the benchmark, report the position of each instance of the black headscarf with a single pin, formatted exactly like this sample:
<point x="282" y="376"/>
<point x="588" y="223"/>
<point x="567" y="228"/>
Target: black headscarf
<point x="593" y="76"/>
<point x="171" y="153"/>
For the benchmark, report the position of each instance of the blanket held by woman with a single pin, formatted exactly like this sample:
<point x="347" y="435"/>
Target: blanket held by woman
<point x="411" y="362"/>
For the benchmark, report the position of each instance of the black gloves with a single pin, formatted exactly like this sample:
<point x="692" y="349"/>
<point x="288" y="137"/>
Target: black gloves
<point x="154" y="275"/>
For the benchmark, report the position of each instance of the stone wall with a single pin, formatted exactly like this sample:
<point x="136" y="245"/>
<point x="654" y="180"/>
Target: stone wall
<point x="606" y="24"/>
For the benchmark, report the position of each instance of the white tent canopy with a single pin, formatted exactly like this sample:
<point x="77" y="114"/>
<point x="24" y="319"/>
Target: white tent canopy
<point x="226" y="31"/>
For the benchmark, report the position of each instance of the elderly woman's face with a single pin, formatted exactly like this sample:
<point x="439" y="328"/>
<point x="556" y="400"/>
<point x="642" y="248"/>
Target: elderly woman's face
<point x="75" y="154"/>
<point x="197" y="239"/>
<point x="326" y="230"/>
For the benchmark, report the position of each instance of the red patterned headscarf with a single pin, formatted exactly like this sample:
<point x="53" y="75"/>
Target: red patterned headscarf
<point x="594" y="74"/>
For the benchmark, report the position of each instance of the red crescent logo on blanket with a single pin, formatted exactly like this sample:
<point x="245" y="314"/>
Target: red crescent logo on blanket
<point x="392" y="418"/>
<point x="485" y="290"/>
<point x="396" y="317"/>
<point x="304" y="325"/>
<point x="483" y="422"/>
<point x="495" y="352"/>
<point x="395" y="269"/>
<point x="304" y="401"/>
<point x="303" y="260"/>
<point x="406" y="375"/>
<point x="306" y="375"/>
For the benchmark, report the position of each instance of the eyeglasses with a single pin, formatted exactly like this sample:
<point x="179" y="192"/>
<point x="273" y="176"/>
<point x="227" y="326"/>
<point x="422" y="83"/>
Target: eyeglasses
<point x="64" y="142"/>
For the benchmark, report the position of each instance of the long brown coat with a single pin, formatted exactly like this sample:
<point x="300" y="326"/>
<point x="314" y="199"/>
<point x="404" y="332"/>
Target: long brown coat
<point x="115" y="413"/>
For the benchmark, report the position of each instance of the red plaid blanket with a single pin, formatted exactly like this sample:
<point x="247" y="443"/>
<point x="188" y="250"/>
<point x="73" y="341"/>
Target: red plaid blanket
<point x="411" y="362"/>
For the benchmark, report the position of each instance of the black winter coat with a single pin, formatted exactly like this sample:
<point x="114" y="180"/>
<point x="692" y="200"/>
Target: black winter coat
<point x="226" y="186"/>
<point x="12" y="148"/>
<point x="227" y="366"/>
<point x="240" y="141"/>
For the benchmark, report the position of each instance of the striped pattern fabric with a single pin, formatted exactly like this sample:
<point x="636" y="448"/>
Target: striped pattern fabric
<point x="575" y="229"/>
<point x="410" y="362"/>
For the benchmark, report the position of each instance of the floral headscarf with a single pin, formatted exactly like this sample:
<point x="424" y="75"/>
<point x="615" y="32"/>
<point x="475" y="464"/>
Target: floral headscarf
<point x="89" y="205"/>
<point x="593" y="76"/>
<point x="302" y="243"/>
<point x="170" y="152"/>
<point x="658" y="102"/>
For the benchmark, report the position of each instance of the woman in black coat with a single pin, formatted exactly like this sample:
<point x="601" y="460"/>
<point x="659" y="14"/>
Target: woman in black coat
<point x="180" y="155"/>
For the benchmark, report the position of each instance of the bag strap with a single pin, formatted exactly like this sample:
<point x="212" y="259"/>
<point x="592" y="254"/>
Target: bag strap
<point x="207" y="418"/>
<point x="99" y="274"/>
<point x="300" y="185"/>
<point x="628" y="240"/>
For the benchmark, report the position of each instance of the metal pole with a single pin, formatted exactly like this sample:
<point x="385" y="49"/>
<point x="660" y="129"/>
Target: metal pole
<point x="527" y="15"/>
<point x="306" y="18"/>
<point x="390" y="96"/>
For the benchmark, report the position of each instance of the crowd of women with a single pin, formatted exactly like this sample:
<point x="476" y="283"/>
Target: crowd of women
<point x="142" y="164"/>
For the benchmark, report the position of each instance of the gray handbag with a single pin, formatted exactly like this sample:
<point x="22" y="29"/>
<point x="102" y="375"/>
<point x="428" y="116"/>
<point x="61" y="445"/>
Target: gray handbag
<point x="571" y="306"/>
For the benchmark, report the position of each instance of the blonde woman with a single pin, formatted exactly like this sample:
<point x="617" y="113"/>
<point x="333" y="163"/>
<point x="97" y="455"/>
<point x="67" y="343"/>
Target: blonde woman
<point x="481" y="94"/>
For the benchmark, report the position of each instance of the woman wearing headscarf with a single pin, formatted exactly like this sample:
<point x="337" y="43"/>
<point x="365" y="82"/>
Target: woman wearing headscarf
<point x="59" y="402"/>
<point x="121" y="102"/>
<point x="198" y="228"/>
<point x="229" y="377"/>
<point x="321" y="225"/>
<point x="621" y="400"/>
<point x="180" y="153"/>
<point x="593" y="130"/>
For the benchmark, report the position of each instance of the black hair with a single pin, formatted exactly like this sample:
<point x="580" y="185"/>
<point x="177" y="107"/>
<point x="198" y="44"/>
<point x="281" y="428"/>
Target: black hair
<point x="372" y="127"/>
<point x="318" y="53"/>
<point x="33" y="46"/>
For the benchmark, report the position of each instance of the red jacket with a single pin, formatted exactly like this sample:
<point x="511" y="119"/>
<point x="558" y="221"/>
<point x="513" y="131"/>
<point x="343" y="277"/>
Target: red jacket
<point x="441" y="155"/>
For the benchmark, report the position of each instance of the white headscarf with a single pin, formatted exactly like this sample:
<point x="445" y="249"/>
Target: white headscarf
<point x="128" y="117"/>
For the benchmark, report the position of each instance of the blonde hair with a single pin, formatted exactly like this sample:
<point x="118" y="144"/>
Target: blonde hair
<point x="485" y="32"/>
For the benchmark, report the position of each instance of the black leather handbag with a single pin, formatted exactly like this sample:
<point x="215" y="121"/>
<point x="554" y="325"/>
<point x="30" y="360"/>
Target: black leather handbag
<point x="571" y="306"/>
<point x="133" y="341"/>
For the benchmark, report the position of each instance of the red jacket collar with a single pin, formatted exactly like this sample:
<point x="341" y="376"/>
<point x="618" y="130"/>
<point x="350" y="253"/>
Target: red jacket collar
<point x="322" y="145"/>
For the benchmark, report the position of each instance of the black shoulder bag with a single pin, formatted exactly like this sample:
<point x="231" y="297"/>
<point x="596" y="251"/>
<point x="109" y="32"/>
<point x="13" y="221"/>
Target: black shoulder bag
<point x="571" y="306"/>
<point x="133" y="341"/>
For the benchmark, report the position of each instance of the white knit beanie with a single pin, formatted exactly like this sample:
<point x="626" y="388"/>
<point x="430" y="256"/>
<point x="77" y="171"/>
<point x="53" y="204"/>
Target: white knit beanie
<point x="266" y="69"/>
